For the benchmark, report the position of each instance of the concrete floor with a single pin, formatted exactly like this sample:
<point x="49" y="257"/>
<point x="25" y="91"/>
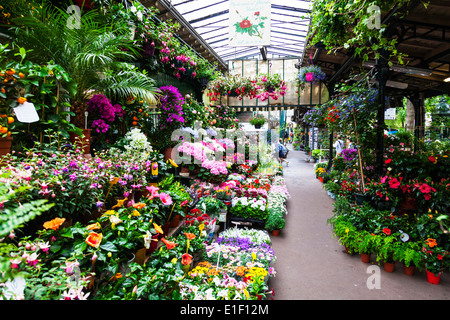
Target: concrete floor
<point x="311" y="265"/>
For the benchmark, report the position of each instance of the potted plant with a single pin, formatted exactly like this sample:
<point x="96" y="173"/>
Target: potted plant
<point x="274" y="223"/>
<point x="258" y="121"/>
<point x="435" y="259"/>
<point x="95" y="57"/>
<point x="409" y="254"/>
<point x="346" y="233"/>
<point x="365" y="245"/>
<point x="311" y="74"/>
<point x="385" y="248"/>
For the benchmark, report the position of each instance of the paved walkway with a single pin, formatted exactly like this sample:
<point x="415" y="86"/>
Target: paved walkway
<point x="312" y="265"/>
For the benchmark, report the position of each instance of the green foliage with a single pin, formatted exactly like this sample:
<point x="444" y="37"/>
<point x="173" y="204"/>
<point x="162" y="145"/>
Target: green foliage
<point x="13" y="214"/>
<point x="350" y="25"/>
<point x="275" y="221"/>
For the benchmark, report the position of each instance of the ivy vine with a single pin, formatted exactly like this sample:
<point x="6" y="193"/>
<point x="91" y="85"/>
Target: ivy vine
<point x="356" y="25"/>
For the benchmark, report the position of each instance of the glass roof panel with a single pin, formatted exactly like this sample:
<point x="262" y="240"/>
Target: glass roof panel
<point x="210" y="19"/>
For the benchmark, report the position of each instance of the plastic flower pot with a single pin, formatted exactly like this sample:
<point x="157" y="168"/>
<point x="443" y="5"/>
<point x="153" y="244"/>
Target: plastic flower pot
<point x="275" y="233"/>
<point x="309" y="76"/>
<point x="432" y="278"/>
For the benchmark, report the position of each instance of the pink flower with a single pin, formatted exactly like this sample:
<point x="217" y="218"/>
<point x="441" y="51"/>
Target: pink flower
<point x="165" y="199"/>
<point x="153" y="191"/>
<point x="394" y="183"/>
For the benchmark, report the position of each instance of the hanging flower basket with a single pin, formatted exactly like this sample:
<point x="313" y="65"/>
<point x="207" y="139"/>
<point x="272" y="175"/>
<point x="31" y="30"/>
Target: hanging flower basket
<point x="309" y="76"/>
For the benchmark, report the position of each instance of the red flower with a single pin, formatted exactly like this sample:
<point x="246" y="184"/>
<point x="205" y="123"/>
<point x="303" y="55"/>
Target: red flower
<point x="245" y="24"/>
<point x="388" y="161"/>
<point x="440" y="257"/>
<point x="424" y="188"/>
<point x="387" y="231"/>
<point x="186" y="259"/>
<point x="394" y="183"/>
<point x="432" y="159"/>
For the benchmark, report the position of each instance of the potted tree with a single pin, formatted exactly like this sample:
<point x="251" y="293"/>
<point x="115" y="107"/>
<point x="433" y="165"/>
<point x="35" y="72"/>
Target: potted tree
<point x="258" y="121"/>
<point x="274" y="223"/>
<point x="96" y="56"/>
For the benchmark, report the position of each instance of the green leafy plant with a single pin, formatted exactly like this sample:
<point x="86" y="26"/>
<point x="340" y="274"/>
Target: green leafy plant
<point x="93" y="55"/>
<point x="275" y="221"/>
<point x="258" y="120"/>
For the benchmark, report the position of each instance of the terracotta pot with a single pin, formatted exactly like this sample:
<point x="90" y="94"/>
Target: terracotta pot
<point x="365" y="257"/>
<point x="168" y="154"/>
<point x="85" y="143"/>
<point x="389" y="266"/>
<point x="275" y="233"/>
<point x="409" y="270"/>
<point x="5" y="145"/>
<point x="432" y="278"/>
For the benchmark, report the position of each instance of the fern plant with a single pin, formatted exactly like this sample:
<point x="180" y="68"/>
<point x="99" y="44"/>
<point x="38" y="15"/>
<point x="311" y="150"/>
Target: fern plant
<point x="13" y="214"/>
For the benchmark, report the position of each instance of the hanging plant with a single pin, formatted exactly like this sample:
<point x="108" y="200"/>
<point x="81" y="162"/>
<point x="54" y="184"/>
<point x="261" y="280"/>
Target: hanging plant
<point x="312" y="74"/>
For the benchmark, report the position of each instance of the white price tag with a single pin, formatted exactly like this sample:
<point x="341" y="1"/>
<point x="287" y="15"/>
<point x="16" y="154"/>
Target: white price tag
<point x="26" y="113"/>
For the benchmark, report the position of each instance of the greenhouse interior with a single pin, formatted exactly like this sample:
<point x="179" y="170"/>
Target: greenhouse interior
<point x="260" y="150"/>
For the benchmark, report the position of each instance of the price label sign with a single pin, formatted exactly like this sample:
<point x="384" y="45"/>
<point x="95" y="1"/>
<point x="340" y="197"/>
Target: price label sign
<point x="26" y="113"/>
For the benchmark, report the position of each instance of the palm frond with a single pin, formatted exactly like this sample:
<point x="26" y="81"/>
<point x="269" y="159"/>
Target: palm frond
<point x="128" y="83"/>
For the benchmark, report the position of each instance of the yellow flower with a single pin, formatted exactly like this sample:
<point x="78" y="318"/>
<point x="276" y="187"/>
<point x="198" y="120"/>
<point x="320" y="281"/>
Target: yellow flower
<point x="158" y="228"/>
<point x="136" y="213"/>
<point x="173" y="163"/>
<point x="246" y="294"/>
<point x="114" y="181"/>
<point x="93" y="226"/>
<point x="109" y="212"/>
<point x="119" y="203"/>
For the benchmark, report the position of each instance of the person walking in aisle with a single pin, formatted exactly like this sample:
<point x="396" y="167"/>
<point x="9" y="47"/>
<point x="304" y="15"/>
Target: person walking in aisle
<point x="282" y="152"/>
<point x="339" y="145"/>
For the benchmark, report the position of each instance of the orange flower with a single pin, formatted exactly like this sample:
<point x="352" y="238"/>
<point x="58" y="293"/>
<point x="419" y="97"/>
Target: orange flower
<point x="431" y="242"/>
<point x="158" y="228"/>
<point x="94" y="239"/>
<point x="10" y="72"/>
<point x="10" y="120"/>
<point x="186" y="259"/>
<point x="93" y="226"/>
<point x="190" y="236"/>
<point x="22" y="100"/>
<point x="54" y="224"/>
<point x="169" y="244"/>
<point x="240" y="270"/>
<point x="118" y="275"/>
<point x="3" y="129"/>
<point x="114" y="180"/>
<point x="21" y="75"/>
<point x="139" y="205"/>
<point x="3" y="90"/>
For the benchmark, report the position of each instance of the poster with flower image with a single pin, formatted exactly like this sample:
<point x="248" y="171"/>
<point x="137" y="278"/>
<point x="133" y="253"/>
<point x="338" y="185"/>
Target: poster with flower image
<point x="249" y="23"/>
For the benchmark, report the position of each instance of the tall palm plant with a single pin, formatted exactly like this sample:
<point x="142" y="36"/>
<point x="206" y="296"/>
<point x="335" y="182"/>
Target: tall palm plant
<point x="95" y="53"/>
